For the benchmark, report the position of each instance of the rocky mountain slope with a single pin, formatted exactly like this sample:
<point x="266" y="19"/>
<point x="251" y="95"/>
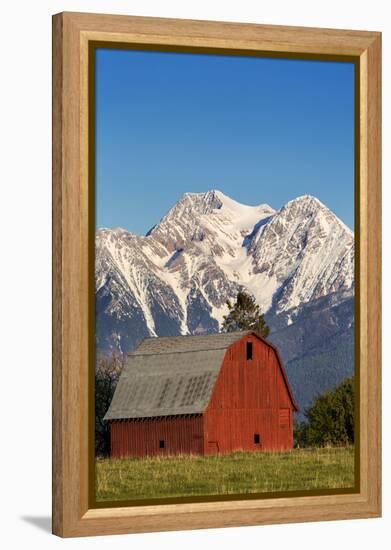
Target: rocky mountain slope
<point x="298" y="262"/>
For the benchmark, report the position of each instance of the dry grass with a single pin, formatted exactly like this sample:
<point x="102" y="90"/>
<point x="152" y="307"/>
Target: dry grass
<point x="240" y="472"/>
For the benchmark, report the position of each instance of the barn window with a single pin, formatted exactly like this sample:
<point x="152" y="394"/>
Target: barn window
<point x="161" y="444"/>
<point x="257" y="439"/>
<point x="249" y="351"/>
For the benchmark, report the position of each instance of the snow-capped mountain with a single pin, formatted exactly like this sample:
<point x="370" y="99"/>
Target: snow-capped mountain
<point x="298" y="262"/>
<point x="178" y="277"/>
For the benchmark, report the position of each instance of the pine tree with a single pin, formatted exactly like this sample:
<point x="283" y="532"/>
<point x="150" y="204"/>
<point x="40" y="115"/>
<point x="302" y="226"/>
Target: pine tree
<point x="245" y="314"/>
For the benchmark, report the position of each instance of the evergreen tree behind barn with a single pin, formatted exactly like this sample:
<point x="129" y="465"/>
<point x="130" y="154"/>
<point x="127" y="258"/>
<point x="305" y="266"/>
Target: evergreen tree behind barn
<point x="201" y="395"/>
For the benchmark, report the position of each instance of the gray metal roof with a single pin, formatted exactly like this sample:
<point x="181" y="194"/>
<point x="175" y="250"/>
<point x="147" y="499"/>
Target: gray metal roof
<point x="177" y="344"/>
<point x="170" y="376"/>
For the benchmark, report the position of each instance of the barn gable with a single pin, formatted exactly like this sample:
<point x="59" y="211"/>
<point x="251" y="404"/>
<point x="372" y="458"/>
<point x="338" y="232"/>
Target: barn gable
<point x="173" y="376"/>
<point x="251" y="377"/>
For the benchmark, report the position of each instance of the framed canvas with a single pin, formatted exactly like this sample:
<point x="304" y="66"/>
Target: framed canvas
<point x="216" y="274"/>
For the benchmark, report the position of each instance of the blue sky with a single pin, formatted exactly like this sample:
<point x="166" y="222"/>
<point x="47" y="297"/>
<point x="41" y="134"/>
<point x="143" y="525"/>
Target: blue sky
<point x="259" y="130"/>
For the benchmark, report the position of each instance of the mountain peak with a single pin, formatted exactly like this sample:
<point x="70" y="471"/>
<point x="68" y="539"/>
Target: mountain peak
<point x="215" y="194"/>
<point x="200" y="203"/>
<point x="208" y="247"/>
<point x="308" y="205"/>
<point x="114" y="231"/>
<point x="305" y="200"/>
<point x="195" y="216"/>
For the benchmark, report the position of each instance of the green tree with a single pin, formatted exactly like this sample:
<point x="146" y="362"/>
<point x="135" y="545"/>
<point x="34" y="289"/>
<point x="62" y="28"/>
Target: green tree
<point x="245" y="314"/>
<point x="330" y="420"/>
<point x="107" y="373"/>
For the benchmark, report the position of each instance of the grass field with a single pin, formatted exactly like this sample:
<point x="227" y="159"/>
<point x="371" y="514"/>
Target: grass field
<point x="241" y="472"/>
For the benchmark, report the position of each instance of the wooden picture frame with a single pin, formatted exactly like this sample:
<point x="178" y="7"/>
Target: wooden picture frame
<point x="72" y="218"/>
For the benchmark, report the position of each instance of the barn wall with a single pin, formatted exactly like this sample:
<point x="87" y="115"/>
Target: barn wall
<point x="181" y="435"/>
<point x="233" y="430"/>
<point x="250" y="397"/>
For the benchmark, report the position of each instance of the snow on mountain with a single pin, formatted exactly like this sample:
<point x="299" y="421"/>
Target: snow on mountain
<point x="206" y="220"/>
<point x="305" y="252"/>
<point x="127" y="267"/>
<point x="178" y="277"/>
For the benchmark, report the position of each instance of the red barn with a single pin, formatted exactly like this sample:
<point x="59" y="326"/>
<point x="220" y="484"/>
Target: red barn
<point x="201" y="395"/>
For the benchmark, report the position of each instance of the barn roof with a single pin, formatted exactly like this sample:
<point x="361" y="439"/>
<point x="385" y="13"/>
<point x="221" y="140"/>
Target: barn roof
<point x="172" y="375"/>
<point x="178" y="344"/>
